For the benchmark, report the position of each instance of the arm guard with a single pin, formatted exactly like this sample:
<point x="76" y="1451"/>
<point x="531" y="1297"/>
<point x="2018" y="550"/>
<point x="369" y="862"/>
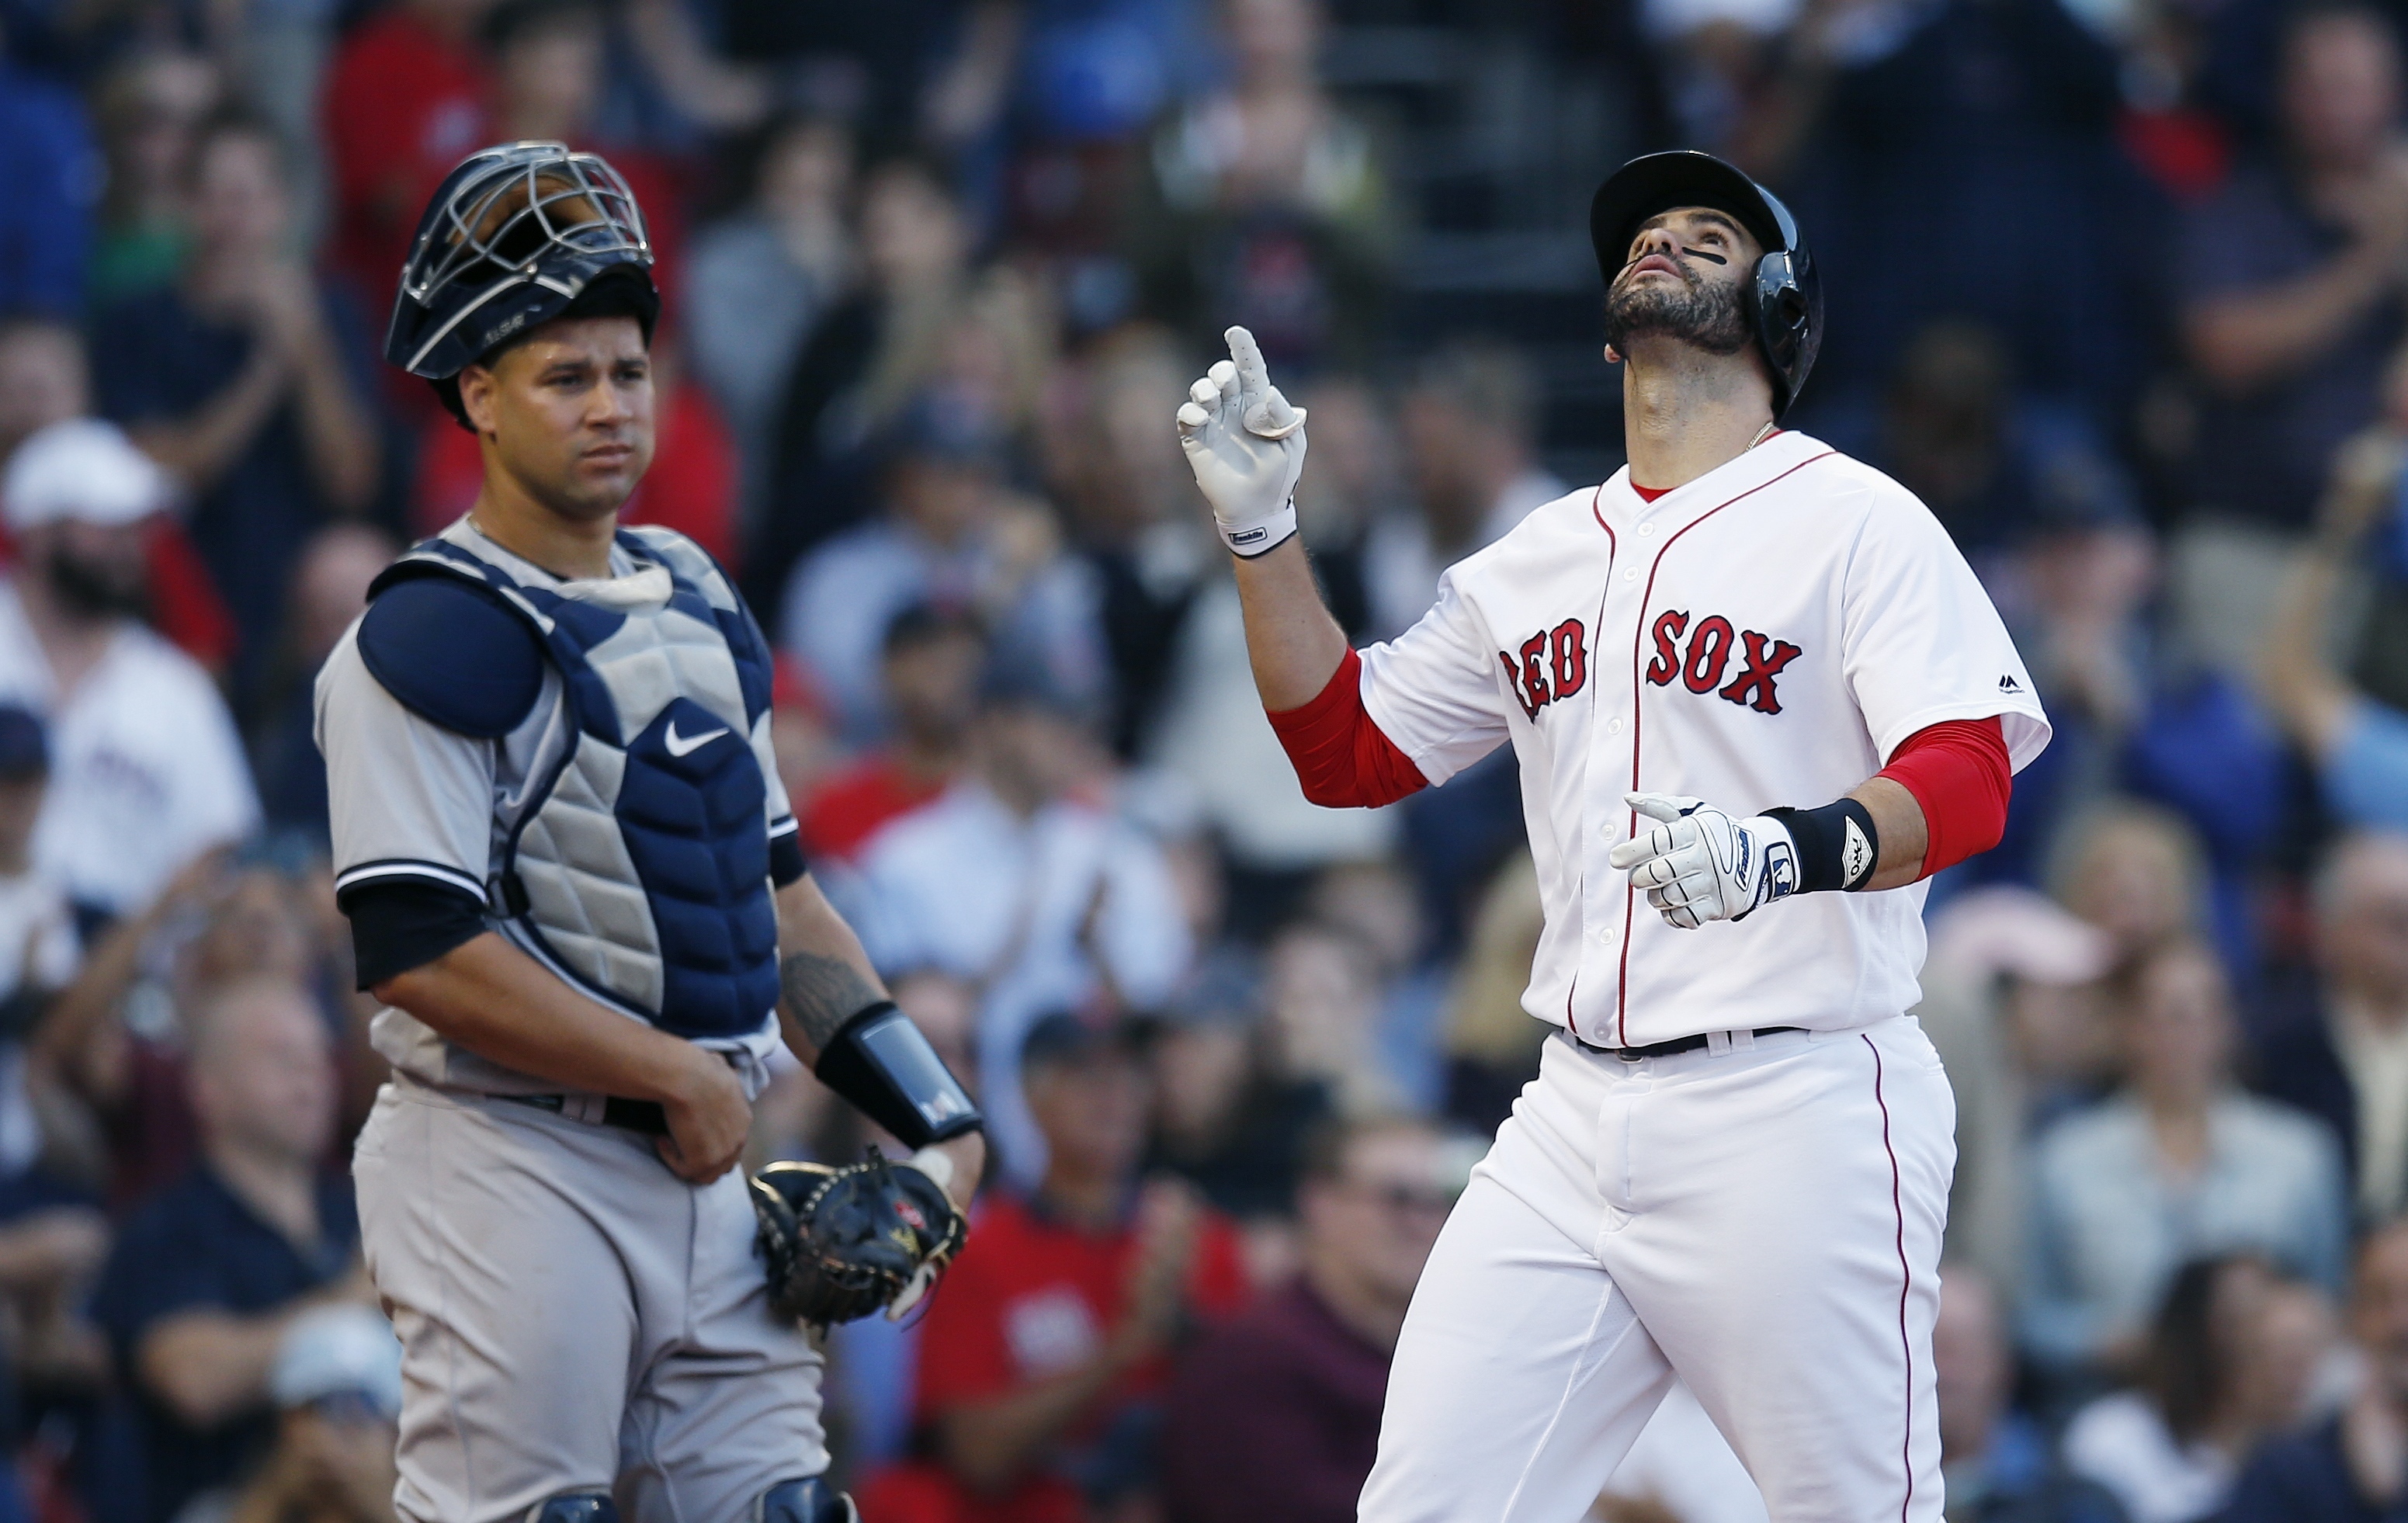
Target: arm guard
<point x="881" y="1063"/>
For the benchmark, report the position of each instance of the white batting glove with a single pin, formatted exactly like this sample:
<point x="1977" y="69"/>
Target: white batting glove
<point x="1246" y="446"/>
<point x="1700" y="864"/>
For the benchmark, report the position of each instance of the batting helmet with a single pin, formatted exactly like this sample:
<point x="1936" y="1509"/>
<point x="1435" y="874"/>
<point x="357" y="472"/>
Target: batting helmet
<point x="515" y="237"/>
<point x="1788" y="306"/>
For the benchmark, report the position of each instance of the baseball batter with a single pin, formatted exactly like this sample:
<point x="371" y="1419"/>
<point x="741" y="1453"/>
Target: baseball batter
<point x="1756" y="696"/>
<point x="573" y="877"/>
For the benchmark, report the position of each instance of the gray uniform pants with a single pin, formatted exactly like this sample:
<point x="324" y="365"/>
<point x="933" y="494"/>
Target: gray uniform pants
<point x="573" y="1317"/>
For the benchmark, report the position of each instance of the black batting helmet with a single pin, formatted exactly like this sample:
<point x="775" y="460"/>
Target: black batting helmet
<point x="1787" y="310"/>
<point x="516" y="236"/>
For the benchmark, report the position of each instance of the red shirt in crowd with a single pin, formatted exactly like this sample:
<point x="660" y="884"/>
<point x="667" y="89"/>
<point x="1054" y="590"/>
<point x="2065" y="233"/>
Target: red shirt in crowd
<point x="856" y="803"/>
<point x="691" y="488"/>
<point x="1029" y="1298"/>
<point x="404" y="103"/>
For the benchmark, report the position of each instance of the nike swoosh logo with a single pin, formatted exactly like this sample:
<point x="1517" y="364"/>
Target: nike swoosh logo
<point x="681" y="745"/>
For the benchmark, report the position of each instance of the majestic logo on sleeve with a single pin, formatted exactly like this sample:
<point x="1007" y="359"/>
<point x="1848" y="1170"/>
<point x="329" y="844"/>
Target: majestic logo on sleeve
<point x="1704" y="658"/>
<point x="1549" y="667"/>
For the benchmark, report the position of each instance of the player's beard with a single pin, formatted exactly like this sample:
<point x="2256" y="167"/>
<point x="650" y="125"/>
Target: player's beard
<point x="1703" y="316"/>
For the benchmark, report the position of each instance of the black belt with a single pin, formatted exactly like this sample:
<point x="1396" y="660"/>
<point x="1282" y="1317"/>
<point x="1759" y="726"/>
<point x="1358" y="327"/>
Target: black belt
<point x="641" y="1115"/>
<point x="1672" y="1048"/>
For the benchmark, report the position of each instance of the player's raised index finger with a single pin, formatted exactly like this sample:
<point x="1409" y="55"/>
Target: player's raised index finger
<point x="1254" y="376"/>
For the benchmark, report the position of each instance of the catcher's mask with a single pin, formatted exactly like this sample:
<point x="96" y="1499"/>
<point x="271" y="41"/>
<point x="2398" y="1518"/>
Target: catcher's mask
<point x="516" y="236"/>
<point x="1787" y="312"/>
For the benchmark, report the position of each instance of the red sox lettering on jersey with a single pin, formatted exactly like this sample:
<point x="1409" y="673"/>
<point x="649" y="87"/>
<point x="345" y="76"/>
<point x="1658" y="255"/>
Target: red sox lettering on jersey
<point x="1766" y="633"/>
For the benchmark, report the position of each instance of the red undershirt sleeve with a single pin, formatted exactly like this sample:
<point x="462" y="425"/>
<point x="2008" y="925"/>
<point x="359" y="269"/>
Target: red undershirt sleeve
<point x="1340" y="755"/>
<point x="1960" y="772"/>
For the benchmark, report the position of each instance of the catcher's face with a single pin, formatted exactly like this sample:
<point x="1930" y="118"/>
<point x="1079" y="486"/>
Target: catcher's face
<point x="567" y="414"/>
<point x="1687" y="272"/>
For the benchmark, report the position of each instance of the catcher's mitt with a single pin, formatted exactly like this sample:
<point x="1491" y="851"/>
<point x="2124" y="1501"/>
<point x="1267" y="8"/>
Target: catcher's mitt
<point x="842" y="1242"/>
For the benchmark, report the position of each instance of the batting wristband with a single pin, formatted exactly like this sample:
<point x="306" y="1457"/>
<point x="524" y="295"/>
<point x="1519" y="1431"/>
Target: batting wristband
<point x="1837" y="845"/>
<point x="884" y="1066"/>
<point x="1262" y="536"/>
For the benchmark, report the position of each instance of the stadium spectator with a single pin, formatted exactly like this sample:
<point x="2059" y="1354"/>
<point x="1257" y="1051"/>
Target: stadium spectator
<point x="248" y="381"/>
<point x="759" y="280"/>
<point x="2177" y="1164"/>
<point x="1021" y="881"/>
<point x="1492" y="1044"/>
<point x="49" y="183"/>
<point x="2352" y="1468"/>
<point x="1129" y="512"/>
<point x="2133" y="870"/>
<point x="1274" y="1415"/>
<point x="1273" y="203"/>
<point x="2290" y="294"/>
<point x="2011" y="1002"/>
<point x="146" y="771"/>
<point x="1321" y="995"/>
<point x="861" y="365"/>
<point x="150" y="110"/>
<point x="43" y="378"/>
<point x="2000" y="1466"/>
<point x="1470" y="427"/>
<point x="337" y="1384"/>
<point x="550" y="61"/>
<point x="930" y="664"/>
<point x="210" y="1274"/>
<point x="2358" y="742"/>
<point x="2219" y="1374"/>
<point x="1042" y="1366"/>
<point x="952" y="533"/>
<point x="2345" y="1059"/>
<point x="405" y="99"/>
<point x="330" y="589"/>
<point x="39" y="949"/>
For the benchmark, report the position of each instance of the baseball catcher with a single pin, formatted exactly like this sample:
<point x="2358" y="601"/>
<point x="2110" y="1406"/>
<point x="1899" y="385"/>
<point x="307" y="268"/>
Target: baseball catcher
<point x="575" y="883"/>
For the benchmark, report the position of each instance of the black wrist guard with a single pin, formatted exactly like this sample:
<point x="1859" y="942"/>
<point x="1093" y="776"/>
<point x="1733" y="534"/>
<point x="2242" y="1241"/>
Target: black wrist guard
<point x="1837" y="845"/>
<point x="880" y="1062"/>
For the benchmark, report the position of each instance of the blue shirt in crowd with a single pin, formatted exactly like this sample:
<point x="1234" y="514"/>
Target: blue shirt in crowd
<point x="50" y="181"/>
<point x="2306" y="1479"/>
<point x="197" y="1246"/>
<point x="2110" y="1227"/>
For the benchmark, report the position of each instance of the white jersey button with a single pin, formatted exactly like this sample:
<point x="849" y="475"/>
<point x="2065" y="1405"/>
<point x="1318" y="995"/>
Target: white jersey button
<point x="1646" y="528"/>
<point x="1631" y="574"/>
<point x="1604" y="935"/>
<point x="1614" y="726"/>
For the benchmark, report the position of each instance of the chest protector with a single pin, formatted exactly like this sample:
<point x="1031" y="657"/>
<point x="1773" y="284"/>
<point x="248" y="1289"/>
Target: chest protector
<point x="638" y="856"/>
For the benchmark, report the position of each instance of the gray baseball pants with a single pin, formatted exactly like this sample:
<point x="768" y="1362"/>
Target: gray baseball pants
<point x="573" y="1317"/>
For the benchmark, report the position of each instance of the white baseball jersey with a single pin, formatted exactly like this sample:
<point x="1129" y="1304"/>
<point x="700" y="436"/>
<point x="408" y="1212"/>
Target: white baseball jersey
<point x="1766" y="635"/>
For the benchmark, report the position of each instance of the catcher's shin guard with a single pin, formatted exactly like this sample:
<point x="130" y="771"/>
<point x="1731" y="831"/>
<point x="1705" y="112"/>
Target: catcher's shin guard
<point x="809" y="1500"/>
<point x="583" y="1508"/>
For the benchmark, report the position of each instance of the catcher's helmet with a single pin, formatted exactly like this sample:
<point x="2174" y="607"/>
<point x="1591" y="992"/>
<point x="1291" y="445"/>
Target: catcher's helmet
<point x="513" y="237"/>
<point x="1788" y="306"/>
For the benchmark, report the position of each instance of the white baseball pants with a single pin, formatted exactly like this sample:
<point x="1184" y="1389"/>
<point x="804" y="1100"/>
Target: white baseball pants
<point x="573" y="1317"/>
<point x="1762" y="1217"/>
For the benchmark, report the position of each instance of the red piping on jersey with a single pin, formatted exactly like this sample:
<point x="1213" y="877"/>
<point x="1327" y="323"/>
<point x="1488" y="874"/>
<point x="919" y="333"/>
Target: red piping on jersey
<point x="1959" y="772"/>
<point x="1341" y="754"/>
<point x="1630" y="890"/>
<point x="1905" y="1283"/>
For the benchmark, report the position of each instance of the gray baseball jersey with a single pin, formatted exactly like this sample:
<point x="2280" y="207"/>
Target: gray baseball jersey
<point x="573" y="1315"/>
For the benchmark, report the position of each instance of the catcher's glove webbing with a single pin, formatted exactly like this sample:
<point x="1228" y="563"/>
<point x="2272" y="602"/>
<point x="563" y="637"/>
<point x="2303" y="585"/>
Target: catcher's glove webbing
<point x="842" y="1242"/>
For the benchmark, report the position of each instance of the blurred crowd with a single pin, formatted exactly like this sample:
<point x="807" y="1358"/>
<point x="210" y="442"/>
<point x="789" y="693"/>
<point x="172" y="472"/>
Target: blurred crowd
<point x="2118" y="287"/>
